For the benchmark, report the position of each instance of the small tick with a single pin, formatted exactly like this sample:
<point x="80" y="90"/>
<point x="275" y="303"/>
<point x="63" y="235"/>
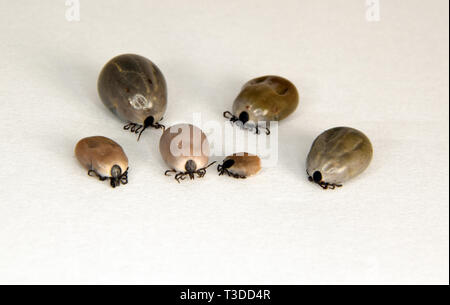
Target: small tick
<point x="240" y="165"/>
<point x="185" y="149"/>
<point x="103" y="158"/>
<point x="262" y="100"/>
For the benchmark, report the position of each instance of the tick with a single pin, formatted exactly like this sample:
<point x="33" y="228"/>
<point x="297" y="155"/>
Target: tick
<point x="337" y="155"/>
<point x="185" y="149"/>
<point x="135" y="90"/>
<point x="262" y="100"/>
<point x="103" y="158"/>
<point x="240" y="165"/>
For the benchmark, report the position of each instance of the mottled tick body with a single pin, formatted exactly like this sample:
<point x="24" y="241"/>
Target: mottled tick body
<point x="185" y="149"/>
<point x="262" y="100"/>
<point x="104" y="158"/>
<point x="240" y="165"/>
<point x="337" y="155"/>
<point x="134" y="89"/>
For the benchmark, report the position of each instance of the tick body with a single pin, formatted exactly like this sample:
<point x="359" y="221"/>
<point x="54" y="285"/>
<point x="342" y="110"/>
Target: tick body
<point x="185" y="149"/>
<point x="134" y="89"/>
<point x="338" y="155"/>
<point x="240" y="165"/>
<point x="262" y="100"/>
<point x="103" y="158"/>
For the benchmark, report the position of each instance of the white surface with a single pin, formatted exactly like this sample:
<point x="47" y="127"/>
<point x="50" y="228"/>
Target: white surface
<point x="387" y="78"/>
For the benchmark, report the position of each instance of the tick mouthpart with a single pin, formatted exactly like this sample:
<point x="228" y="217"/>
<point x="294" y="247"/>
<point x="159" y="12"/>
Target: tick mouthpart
<point x="317" y="177"/>
<point x="149" y="121"/>
<point x="115" y="182"/>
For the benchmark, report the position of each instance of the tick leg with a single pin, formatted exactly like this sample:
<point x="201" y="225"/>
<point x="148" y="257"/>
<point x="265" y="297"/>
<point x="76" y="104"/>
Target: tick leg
<point x="136" y="131"/>
<point x="169" y="171"/>
<point x="201" y="173"/>
<point x="180" y="176"/>
<point x="159" y="126"/>
<point x="222" y="170"/>
<point x="203" y="169"/>
<point x="330" y="186"/>
<point x="124" y="177"/>
<point x="133" y="127"/>
<point x="93" y="173"/>
<point x="256" y="129"/>
<point x="230" y="174"/>
<point x="324" y="185"/>
<point x="228" y="115"/>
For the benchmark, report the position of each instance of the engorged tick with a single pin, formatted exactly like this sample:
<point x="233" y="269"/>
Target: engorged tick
<point x="103" y="158"/>
<point x="185" y="149"/>
<point x="337" y="155"/>
<point x="262" y="100"/>
<point x="134" y="89"/>
<point x="240" y="165"/>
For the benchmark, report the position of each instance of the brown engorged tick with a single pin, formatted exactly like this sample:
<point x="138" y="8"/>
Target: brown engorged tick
<point x="262" y="100"/>
<point x="134" y="89"/>
<point x="185" y="149"/>
<point x="103" y="158"/>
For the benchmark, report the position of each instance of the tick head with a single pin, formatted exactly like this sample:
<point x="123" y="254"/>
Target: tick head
<point x="317" y="177"/>
<point x="116" y="174"/>
<point x="149" y="121"/>
<point x="190" y="166"/>
<point x="228" y="163"/>
<point x="244" y="117"/>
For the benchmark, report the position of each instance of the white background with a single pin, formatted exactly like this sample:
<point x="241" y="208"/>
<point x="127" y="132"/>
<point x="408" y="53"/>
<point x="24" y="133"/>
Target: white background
<point x="387" y="78"/>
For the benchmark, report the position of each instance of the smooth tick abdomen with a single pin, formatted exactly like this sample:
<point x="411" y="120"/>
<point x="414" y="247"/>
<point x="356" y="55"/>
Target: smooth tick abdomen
<point x="339" y="154"/>
<point x="101" y="154"/>
<point x="133" y="88"/>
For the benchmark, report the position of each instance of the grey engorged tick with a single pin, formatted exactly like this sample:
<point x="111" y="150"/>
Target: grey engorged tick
<point x="104" y="158"/>
<point x="240" y="165"/>
<point x="264" y="99"/>
<point x="337" y="155"/>
<point x="134" y="89"/>
<point x="185" y="149"/>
